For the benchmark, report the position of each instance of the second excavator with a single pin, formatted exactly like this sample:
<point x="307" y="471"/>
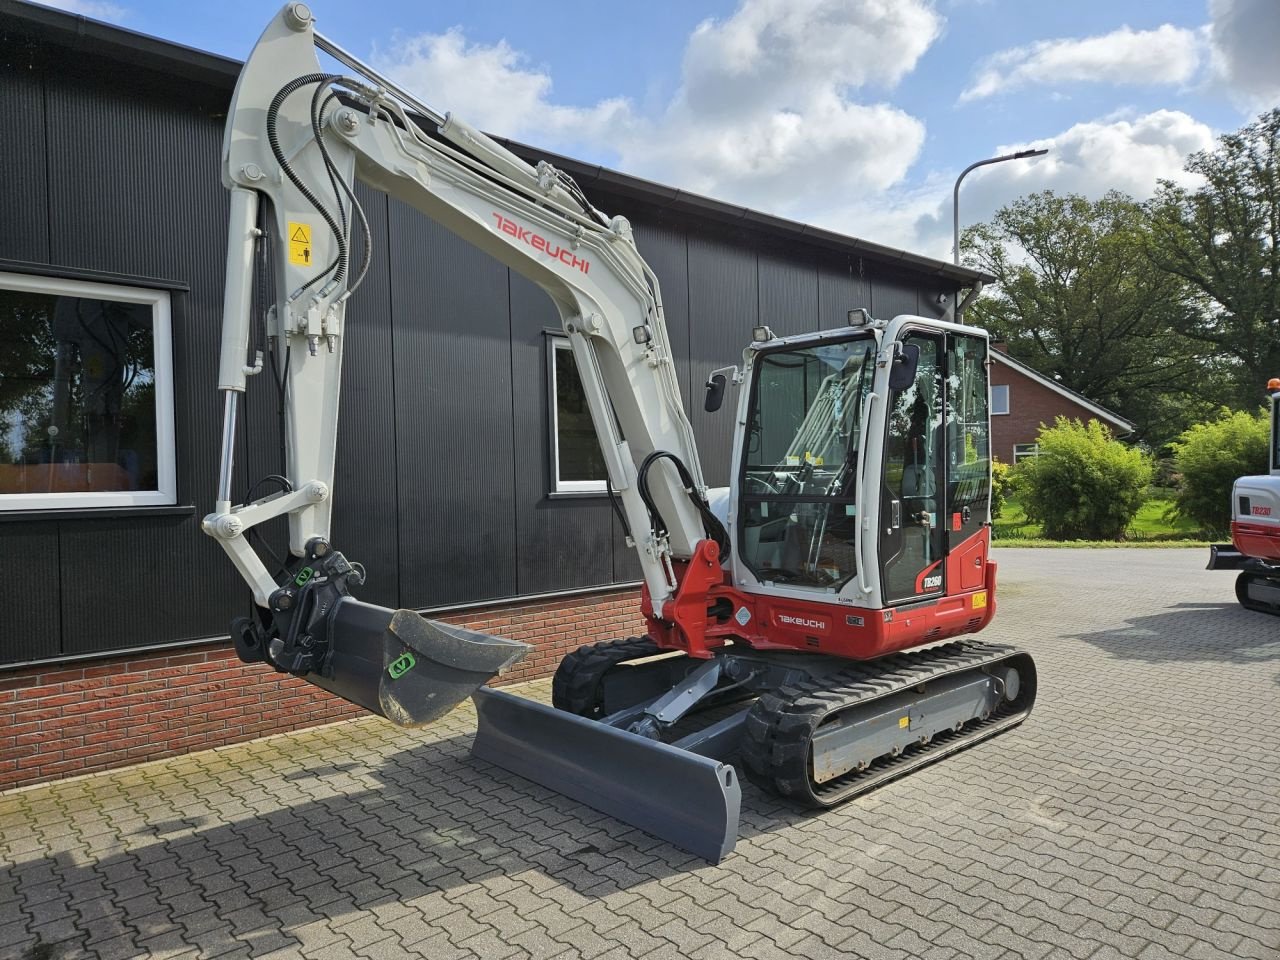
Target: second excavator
<point x="802" y="619"/>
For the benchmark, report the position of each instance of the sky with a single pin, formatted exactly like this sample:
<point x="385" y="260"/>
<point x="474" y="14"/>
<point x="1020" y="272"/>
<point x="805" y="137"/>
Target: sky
<point x="854" y="115"/>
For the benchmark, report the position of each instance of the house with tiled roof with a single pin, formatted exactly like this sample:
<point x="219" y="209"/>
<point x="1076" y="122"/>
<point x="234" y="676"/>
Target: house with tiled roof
<point x="1023" y="398"/>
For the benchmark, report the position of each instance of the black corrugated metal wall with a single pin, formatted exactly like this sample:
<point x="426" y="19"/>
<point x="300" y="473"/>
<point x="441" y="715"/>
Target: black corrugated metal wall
<point x="442" y="477"/>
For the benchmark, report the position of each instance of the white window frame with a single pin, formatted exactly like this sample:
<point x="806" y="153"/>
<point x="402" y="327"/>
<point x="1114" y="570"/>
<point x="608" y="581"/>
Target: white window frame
<point x="1025" y="454"/>
<point x="559" y="485"/>
<point x="1004" y="392"/>
<point x="162" y="341"/>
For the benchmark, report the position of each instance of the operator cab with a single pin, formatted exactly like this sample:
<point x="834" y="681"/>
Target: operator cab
<point x="927" y="445"/>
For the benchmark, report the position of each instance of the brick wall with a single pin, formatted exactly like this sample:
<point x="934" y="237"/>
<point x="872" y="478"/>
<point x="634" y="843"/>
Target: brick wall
<point x="62" y="721"/>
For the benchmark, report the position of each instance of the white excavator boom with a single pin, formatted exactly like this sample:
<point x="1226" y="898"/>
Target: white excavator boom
<point x="296" y="137"/>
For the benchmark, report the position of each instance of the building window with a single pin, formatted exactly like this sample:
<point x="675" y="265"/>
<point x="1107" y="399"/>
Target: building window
<point x="999" y="398"/>
<point x="576" y="462"/>
<point x="86" y="395"/>
<point x="1021" y="451"/>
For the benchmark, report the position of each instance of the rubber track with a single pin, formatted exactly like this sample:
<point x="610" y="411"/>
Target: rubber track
<point x="778" y="733"/>
<point x="576" y="685"/>
<point x="1246" y="601"/>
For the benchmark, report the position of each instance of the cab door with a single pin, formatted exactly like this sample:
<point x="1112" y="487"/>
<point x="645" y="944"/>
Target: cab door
<point x="968" y="503"/>
<point x="912" y="485"/>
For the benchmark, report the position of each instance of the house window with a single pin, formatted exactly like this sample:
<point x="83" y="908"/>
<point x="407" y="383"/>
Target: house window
<point x="999" y="398"/>
<point x="577" y="465"/>
<point x="1021" y="451"/>
<point x="86" y="395"/>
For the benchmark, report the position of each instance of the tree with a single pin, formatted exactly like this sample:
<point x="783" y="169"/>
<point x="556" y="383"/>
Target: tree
<point x="1078" y="300"/>
<point x="1084" y="485"/>
<point x="1223" y="238"/>
<point x="1211" y="457"/>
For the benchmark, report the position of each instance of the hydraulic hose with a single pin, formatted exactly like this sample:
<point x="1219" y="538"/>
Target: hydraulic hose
<point x="711" y="524"/>
<point x="273" y="138"/>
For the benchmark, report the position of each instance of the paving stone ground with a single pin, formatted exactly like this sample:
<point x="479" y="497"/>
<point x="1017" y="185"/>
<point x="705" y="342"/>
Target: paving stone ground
<point x="1135" y="815"/>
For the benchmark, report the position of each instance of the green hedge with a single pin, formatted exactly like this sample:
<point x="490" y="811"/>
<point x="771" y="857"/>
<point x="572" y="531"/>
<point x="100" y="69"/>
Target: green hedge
<point x="1085" y="484"/>
<point x="1211" y="456"/>
<point x="1001" y="486"/>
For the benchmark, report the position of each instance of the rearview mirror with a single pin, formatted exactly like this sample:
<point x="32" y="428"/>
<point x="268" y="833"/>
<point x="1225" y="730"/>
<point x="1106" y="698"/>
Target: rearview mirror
<point x="903" y="371"/>
<point x="715" y="392"/>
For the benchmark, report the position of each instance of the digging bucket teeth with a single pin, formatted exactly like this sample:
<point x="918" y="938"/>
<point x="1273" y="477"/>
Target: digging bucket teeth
<point x="404" y="667"/>
<point x="691" y="801"/>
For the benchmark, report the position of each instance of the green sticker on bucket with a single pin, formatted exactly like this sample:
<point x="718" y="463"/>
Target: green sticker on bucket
<point x="401" y="665"/>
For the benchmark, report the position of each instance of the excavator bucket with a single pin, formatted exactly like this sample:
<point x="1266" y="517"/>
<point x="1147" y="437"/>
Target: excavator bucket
<point x="404" y="667"/>
<point x="688" y="800"/>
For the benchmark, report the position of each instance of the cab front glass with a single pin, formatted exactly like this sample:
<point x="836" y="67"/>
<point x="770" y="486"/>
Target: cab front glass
<point x="799" y="470"/>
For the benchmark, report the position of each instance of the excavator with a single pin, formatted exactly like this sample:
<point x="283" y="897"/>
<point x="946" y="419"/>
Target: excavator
<point x="1255" y="527"/>
<point x="802" y="620"/>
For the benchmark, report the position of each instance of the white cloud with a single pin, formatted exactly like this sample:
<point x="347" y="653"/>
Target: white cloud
<point x="1245" y="36"/>
<point x="909" y="218"/>
<point x="776" y="52"/>
<point x="765" y="114"/>
<point x="1114" y="153"/>
<point x="1129" y="154"/>
<point x="780" y="159"/>
<point x="98" y="9"/>
<point x="1166" y="55"/>
<point x="494" y="87"/>
<point x="773" y="112"/>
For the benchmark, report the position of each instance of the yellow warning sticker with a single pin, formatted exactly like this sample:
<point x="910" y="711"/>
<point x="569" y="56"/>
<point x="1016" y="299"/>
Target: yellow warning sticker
<point x="300" y="251"/>
<point x="980" y="600"/>
<point x="904" y="722"/>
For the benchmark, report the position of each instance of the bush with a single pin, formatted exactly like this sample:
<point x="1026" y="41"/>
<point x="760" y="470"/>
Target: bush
<point x="1085" y="485"/>
<point x="1001" y="486"/>
<point x="1211" y="456"/>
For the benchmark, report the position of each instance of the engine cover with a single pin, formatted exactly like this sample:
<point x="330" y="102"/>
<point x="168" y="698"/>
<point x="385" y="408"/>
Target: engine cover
<point x="1255" y="517"/>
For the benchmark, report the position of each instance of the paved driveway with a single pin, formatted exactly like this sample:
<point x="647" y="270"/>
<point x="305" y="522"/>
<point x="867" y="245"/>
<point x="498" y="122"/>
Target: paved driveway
<point x="1136" y="814"/>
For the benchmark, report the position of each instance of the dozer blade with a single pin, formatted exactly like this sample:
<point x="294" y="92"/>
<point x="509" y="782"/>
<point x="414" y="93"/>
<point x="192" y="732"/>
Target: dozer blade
<point x="1225" y="556"/>
<point x="406" y="668"/>
<point x="688" y="800"/>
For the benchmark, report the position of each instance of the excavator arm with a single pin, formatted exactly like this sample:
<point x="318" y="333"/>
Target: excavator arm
<point x="297" y="135"/>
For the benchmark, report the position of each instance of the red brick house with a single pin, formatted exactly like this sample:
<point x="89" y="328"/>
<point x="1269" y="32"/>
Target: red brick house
<point x="1023" y="398"/>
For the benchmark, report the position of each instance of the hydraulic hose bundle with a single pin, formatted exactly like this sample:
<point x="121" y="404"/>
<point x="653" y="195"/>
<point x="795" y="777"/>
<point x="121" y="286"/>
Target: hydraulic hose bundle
<point x="711" y="524"/>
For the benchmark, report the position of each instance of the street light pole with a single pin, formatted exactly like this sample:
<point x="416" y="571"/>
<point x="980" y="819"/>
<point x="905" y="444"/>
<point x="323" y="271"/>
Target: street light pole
<point x="955" y="195"/>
